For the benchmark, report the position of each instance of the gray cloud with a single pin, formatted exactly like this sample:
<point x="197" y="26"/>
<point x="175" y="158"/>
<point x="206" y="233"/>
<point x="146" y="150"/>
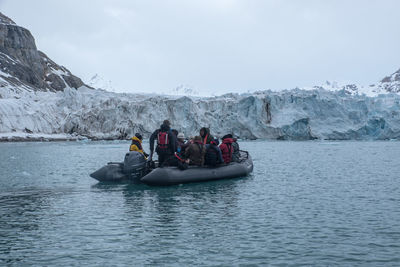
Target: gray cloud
<point x="216" y="46"/>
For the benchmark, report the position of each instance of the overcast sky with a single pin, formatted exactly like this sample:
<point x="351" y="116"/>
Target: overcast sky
<point x="216" y="46"/>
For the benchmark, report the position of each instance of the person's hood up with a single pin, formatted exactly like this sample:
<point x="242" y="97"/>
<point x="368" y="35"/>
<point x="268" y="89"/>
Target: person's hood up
<point x="206" y="131"/>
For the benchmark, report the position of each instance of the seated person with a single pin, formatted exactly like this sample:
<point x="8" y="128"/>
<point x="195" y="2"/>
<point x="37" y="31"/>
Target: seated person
<point x="236" y="149"/>
<point x="136" y="144"/>
<point x="180" y="143"/>
<point x="213" y="154"/>
<point x="195" y="152"/>
<point x="226" y="148"/>
<point x="205" y="135"/>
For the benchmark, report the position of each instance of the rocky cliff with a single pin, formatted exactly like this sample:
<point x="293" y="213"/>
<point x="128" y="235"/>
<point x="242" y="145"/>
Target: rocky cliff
<point x="23" y="66"/>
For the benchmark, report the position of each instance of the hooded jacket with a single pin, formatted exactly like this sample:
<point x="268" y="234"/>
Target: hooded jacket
<point x="227" y="149"/>
<point x="136" y="145"/>
<point x="207" y="137"/>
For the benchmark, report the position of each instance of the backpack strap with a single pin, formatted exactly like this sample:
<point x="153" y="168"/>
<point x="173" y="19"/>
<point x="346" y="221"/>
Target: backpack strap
<point x="205" y="139"/>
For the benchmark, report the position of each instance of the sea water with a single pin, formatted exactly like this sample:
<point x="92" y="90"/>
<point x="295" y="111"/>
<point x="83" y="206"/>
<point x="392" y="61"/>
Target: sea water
<point x="306" y="203"/>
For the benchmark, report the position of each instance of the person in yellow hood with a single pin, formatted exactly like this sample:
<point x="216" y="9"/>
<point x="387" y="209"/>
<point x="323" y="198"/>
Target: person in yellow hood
<point x="136" y="144"/>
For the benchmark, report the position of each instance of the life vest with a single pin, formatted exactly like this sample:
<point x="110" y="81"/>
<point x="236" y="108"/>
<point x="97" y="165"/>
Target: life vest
<point x="228" y="155"/>
<point x="162" y="141"/>
<point x="205" y="139"/>
<point x="226" y="149"/>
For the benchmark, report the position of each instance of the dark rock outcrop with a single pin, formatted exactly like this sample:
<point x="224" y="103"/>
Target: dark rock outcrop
<point x="22" y="65"/>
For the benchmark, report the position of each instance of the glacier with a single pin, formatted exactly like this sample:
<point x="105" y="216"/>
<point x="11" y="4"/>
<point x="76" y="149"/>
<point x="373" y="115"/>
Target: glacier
<point x="287" y="115"/>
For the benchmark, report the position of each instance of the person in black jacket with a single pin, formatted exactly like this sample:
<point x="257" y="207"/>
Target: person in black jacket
<point x="166" y="142"/>
<point x="213" y="154"/>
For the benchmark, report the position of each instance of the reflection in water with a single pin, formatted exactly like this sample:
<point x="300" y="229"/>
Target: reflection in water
<point x="177" y="217"/>
<point x="173" y="202"/>
<point x="170" y="201"/>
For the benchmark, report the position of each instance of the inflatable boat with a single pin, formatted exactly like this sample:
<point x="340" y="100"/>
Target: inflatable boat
<point x="173" y="175"/>
<point x="135" y="168"/>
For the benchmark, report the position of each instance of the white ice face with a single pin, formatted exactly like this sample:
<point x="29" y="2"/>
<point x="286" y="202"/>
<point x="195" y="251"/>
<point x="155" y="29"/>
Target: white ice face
<point x="294" y="114"/>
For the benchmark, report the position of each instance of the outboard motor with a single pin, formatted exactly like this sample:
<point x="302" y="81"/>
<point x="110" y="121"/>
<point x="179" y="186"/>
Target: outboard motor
<point x="134" y="165"/>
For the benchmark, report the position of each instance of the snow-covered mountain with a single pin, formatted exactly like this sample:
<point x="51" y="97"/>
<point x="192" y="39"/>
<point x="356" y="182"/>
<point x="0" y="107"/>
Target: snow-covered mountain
<point x="99" y="82"/>
<point x="39" y="99"/>
<point x="390" y="83"/>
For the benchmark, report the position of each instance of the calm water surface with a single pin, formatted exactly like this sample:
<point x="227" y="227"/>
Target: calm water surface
<point x="307" y="203"/>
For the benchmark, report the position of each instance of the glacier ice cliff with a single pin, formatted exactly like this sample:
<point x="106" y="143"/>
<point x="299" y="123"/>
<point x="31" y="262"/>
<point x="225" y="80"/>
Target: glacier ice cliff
<point x="288" y="115"/>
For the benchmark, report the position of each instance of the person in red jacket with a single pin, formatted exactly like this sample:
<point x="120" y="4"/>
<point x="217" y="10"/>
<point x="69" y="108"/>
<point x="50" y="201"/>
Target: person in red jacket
<point x="226" y="148"/>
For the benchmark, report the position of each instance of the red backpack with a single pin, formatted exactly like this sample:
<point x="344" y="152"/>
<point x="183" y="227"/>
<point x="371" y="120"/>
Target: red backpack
<point x="162" y="141"/>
